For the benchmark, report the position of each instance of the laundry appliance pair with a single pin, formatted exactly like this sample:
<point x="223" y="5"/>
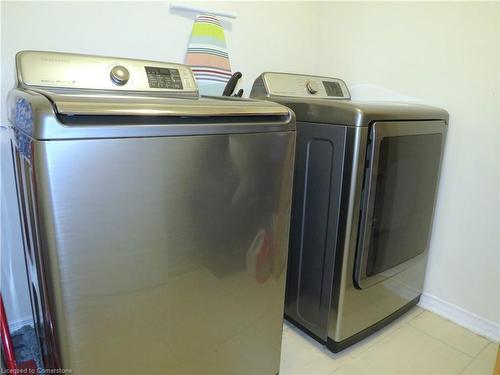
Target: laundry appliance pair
<point x="156" y="223"/>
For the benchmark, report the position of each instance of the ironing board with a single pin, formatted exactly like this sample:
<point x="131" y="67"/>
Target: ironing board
<point x="207" y="55"/>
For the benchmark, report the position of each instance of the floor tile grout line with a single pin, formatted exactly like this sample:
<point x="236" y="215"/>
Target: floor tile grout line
<point x="488" y="341"/>
<point x="458" y="325"/>
<point x="349" y="358"/>
<point x="407" y="323"/>
<point x="391" y="329"/>
<point x="383" y="337"/>
<point x="466" y="365"/>
<point x="484" y="347"/>
<point x="444" y="342"/>
<point x="473" y="358"/>
<point x="417" y="315"/>
<point x="379" y="340"/>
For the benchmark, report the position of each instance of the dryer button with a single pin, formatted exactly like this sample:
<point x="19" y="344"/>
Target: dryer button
<point x="312" y="87"/>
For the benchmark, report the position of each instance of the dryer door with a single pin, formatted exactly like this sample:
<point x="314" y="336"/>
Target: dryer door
<point x="399" y="193"/>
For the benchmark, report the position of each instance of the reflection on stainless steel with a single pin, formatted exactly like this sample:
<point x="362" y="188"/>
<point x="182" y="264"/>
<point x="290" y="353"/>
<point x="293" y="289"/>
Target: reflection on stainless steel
<point x="151" y="251"/>
<point x="157" y="254"/>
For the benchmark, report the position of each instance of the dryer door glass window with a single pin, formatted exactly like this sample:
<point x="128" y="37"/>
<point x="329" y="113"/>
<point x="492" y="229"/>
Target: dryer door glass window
<point x="400" y="190"/>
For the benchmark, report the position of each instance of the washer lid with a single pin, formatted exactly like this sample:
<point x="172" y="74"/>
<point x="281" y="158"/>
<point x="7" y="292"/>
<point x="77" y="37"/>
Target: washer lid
<point x="46" y="117"/>
<point x="133" y="104"/>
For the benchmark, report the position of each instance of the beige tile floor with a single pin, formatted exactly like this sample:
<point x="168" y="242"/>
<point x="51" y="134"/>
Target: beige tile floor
<point x="419" y="342"/>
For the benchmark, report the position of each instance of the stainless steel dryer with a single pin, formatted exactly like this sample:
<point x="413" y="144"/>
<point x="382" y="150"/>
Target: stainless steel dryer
<point x="366" y="176"/>
<point x="155" y="221"/>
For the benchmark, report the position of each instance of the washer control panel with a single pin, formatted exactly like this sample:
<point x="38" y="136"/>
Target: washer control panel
<point x="304" y="86"/>
<point x="73" y="71"/>
<point x="164" y="78"/>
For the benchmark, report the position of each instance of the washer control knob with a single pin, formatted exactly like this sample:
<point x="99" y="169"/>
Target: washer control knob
<point x="119" y="75"/>
<point x="312" y="87"/>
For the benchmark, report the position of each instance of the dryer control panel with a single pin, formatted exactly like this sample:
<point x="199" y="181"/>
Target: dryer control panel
<point x="54" y="70"/>
<point x="300" y="86"/>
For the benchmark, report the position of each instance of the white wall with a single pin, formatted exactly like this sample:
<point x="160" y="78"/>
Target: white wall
<point x="447" y="55"/>
<point x="266" y="36"/>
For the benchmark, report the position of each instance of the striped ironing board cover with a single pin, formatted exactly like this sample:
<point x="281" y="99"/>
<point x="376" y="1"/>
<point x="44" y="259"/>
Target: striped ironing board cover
<point x="207" y="55"/>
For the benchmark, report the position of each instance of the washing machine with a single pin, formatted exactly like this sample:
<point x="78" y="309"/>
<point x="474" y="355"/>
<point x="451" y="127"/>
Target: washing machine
<point x="366" y="177"/>
<point x="155" y="222"/>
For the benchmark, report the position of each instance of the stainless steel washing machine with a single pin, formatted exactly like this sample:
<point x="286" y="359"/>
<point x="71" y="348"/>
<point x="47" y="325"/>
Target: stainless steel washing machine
<point x="155" y="222"/>
<point x="366" y="175"/>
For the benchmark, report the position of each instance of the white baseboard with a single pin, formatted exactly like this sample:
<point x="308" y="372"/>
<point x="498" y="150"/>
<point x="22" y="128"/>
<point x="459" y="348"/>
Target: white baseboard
<point x="20" y="323"/>
<point x="461" y="317"/>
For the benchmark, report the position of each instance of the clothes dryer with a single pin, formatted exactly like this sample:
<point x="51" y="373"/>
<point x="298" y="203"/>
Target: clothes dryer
<point x="366" y="176"/>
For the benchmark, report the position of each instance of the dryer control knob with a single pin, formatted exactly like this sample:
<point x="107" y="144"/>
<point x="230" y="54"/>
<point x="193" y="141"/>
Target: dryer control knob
<point x="119" y="75"/>
<point x="312" y="87"/>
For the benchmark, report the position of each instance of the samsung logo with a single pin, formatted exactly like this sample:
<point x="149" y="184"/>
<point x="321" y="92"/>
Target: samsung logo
<point x="54" y="59"/>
